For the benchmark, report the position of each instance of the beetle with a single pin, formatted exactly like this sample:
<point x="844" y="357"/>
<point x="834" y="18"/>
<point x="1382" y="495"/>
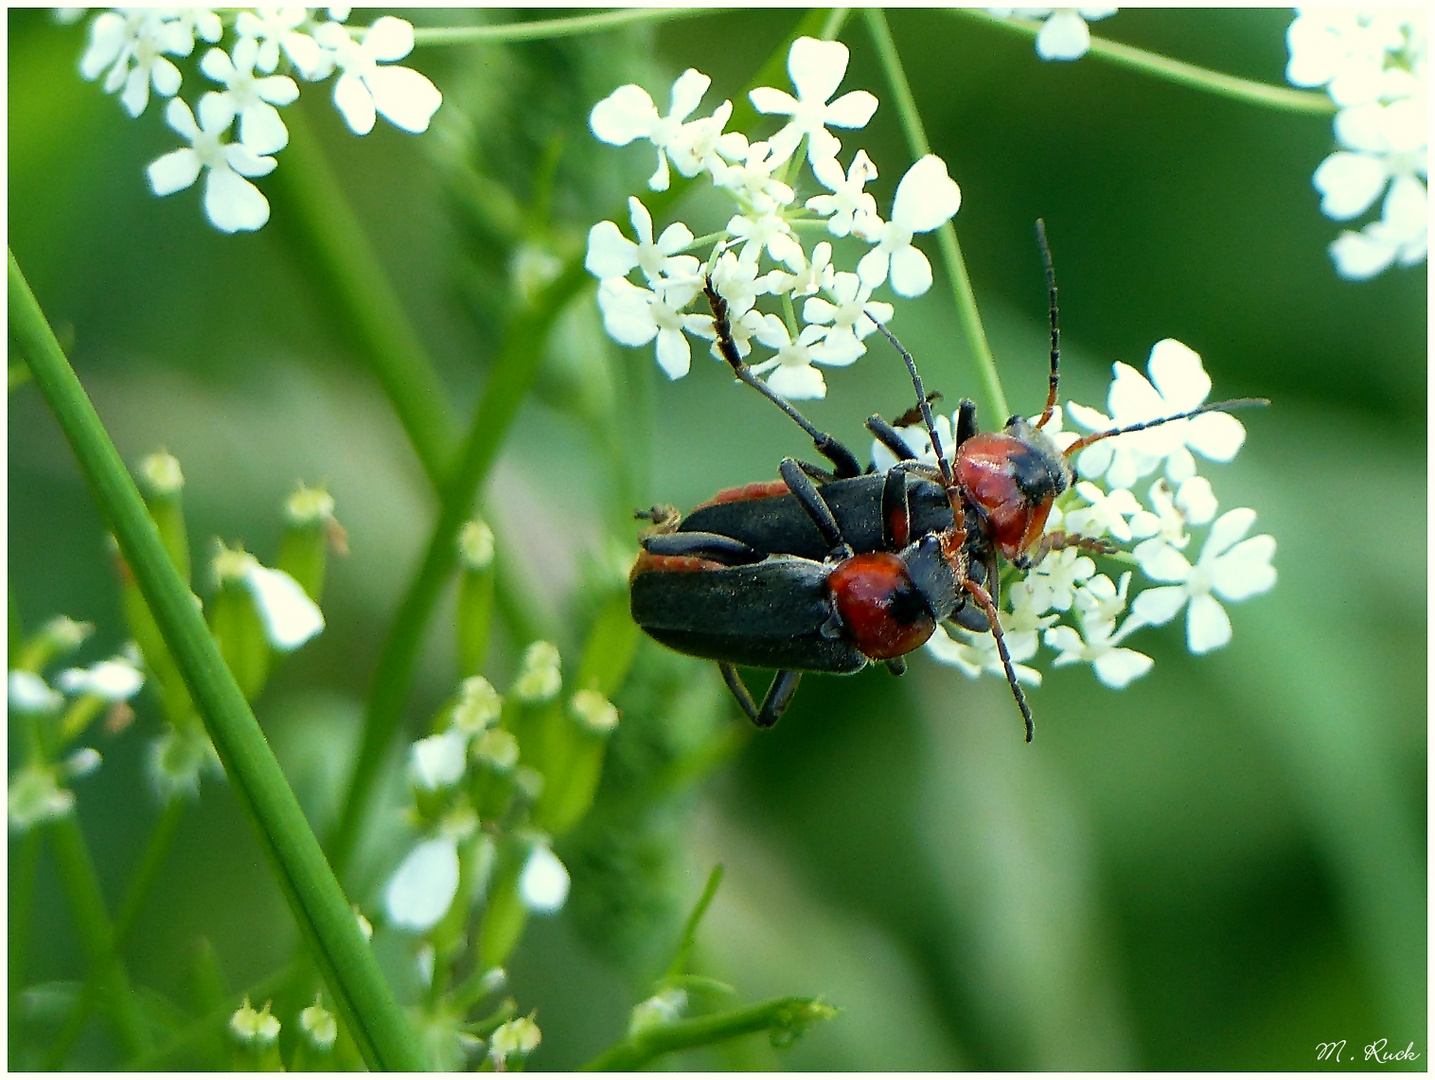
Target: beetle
<point x="829" y="570"/>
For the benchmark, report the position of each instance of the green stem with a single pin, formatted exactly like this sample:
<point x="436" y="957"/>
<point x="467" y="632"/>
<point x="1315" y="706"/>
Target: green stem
<point x="24" y="870"/>
<point x="962" y="294"/>
<point x="332" y="238"/>
<point x="543" y="29"/>
<point x="512" y="375"/>
<point x="784" y="1018"/>
<point x="161" y="838"/>
<point x="324" y="916"/>
<point x="82" y="883"/>
<point x="1176" y="71"/>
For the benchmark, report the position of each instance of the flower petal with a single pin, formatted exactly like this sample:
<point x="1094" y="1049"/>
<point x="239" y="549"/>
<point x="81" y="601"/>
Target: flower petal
<point x="355" y="103"/>
<point x="927" y="197"/>
<point x="403" y="96"/>
<point x="389" y="38"/>
<point x="423" y="887"/>
<point x="816" y="67"/>
<point x="1118" y="668"/>
<point x="911" y="272"/>
<point x="290" y="617"/>
<point x="1157" y="607"/>
<point x="626" y="114"/>
<point x="174" y="171"/>
<point x="1246" y="569"/>
<point x="1207" y="625"/>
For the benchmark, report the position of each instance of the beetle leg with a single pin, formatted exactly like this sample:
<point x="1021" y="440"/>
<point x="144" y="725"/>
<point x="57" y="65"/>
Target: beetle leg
<point x="887" y="435"/>
<point x="982" y="597"/>
<point x="1055" y="541"/>
<point x="774" y="704"/>
<point x="896" y="514"/>
<point x="966" y="420"/>
<point x="816" y="506"/>
<point x="703" y="545"/>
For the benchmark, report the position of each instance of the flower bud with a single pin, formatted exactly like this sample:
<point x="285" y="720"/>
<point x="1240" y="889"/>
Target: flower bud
<point x="160" y="482"/>
<point x="475" y="595"/>
<point x="310" y="529"/>
<point x="516" y="1038"/>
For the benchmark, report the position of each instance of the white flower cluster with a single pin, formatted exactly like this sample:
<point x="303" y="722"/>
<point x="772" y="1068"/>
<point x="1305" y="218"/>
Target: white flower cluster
<point x="1103" y="504"/>
<point x="38" y="791"/>
<point x="1373" y="65"/>
<point x="445" y="770"/>
<point x="770" y="259"/>
<point x="131" y="47"/>
<point x="1064" y="34"/>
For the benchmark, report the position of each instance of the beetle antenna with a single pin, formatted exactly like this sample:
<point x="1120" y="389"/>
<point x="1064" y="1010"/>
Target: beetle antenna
<point x="924" y="401"/>
<point x="1055" y="328"/>
<point x="1215" y="406"/>
<point x="829" y="447"/>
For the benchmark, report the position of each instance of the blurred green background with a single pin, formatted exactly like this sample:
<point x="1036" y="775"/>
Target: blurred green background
<point x="1218" y="868"/>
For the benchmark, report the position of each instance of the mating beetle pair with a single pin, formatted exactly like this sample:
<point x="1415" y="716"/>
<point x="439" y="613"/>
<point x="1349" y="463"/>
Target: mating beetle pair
<point x="827" y="571"/>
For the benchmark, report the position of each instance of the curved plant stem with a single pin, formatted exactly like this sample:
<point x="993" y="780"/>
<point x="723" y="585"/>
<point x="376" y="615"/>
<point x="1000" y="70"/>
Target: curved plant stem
<point x="77" y="870"/>
<point x="345" y="264"/>
<point x="323" y="914"/>
<point x="1190" y="75"/>
<point x="962" y="294"/>
<point x="785" y="1018"/>
<point x="543" y="29"/>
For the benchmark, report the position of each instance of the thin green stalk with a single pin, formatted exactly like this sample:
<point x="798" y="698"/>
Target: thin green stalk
<point x="785" y="1018"/>
<point x="512" y="375"/>
<point x="82" y="883"/>
<point x="1176" y="71"/>
<point x="543" y="29"/>
<point x="24" y="870"/>
<point x="962" y="294"/>
<point x="141" y="880"/>
<point x="324" y="916"/>
<point x="331" y="236"/>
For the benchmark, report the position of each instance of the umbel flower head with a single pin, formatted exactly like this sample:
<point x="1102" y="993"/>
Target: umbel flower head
<point x="760" y="264"/>
<point x="1373" y="64"/>
<point x="131" y="49"/>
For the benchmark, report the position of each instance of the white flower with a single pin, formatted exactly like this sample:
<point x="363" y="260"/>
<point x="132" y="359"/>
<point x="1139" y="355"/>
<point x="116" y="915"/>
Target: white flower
<point x="400" y="95"/>
<point x="231" y="202"/>
<point x="543" y="885"/>
<point x="1114" y="665"/>
<point x="973" y="653"/>
<point x="1107" y="513"/>
<point x="177" y="758"/>
<point x="1399" y="236"/>
<point x="812" y="276"/>
<point x="1229" y="567"/>
<point x="635" y="316"/>
<point x="1053" y="581"/>
<point x="849" y="206"/>
<point x="424" y="885"/>
<point x="140" y="38"/>
<point x="438" y="761"/>
<point x="275" y="28"/>
<point x="792" y="373"/>
<point x="112" y="680"/>
<point x="594" y="711"/>
<point x="290" y="618"/>
<point x="1194" y="504"/>
<point x="849" y="318"/>
<point x="611" y="254"/>
<point x="30" y="694"/>
<point x="1347" y="50"/>
<point x="750" y="178"/>
<point x="539" y="675"/>
<point x="926" y="198"/>
<point x="35" y="795"/>
<point x="1178" y="384"/>
<point x="257" y="1027"/>
<point x="1064" y="35"/>
<point x="319" y="1025"/>
<point x="816" y="68"/>
<point x="251" y="99"/>
<point x="766" y="231"/>
<point x="479" y="706"/>
<point x="628" y="113"/>
<point x="517" y="1036"/>
<point x="661" y="1009"/>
